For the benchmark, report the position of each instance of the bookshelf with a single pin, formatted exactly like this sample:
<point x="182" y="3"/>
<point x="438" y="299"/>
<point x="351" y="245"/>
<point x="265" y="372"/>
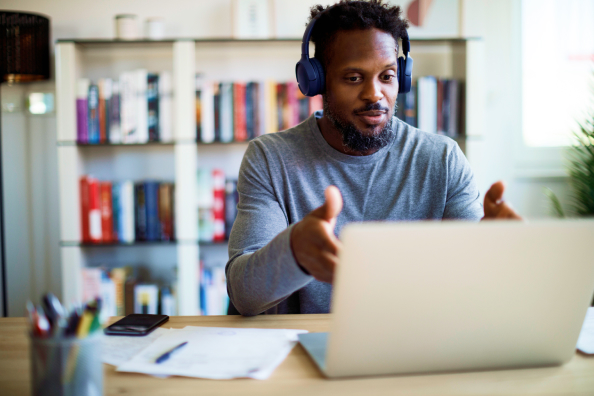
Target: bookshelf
<point x="178" y="161"/>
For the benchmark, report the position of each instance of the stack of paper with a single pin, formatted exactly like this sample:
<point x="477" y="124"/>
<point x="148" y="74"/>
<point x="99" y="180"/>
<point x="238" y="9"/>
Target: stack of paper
<point x="211" y="352"/>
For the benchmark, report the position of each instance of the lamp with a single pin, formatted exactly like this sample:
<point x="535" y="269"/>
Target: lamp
<point x="24" y="57"/>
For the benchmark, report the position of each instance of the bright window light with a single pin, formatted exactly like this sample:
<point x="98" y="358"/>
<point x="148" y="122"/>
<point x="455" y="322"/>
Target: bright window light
<point x="557" y="69"/>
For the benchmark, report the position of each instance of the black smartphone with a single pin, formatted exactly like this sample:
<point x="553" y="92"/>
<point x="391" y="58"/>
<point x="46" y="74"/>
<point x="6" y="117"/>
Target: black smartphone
<point x="136" y="325"/>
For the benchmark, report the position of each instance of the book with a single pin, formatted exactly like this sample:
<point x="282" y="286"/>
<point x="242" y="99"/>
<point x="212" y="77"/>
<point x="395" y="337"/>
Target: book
<point x="410" y="107"/>
<point x="115" y="210"/>
<point x="140" y="211"/>
<point x="82" y="110"/>
<point x="93" y="114"/>
<point x="439" y="111"/>
<point x="91" y="283"/>
<point x="239" y="112"/>
<point x="165" y="107"/>
<point x="205" y="201"/>
<point x="84" y="209"/>
<point x="104" y="89"/>
<point x="427" y="104"/>
<point x="107" y="295"/>
<point x="168" y="305"/>
<point x="128" y="107"/>
<point x="115" y="133"/>
<point x="198" y="109"/>
<point x="218" y="183"/>
<point x="127" y="226"/>
<point x="271" y="105"/>
<point x="166" y="211"/>
<point x="207" y="112"/>
<point x="151" y="198"/>
<point x="217" y="111"/>
<point x="152" y="97"/>
<point x="453" y="109"/>
<point x="95" y="227"/>
<point x="146" y="299"/>
<point x="226" y="112"/>
<point x="106" y="211"/>
<point x="142" y="108"/>
<point x="118" y="276"/>
<point x="250" y="110"/>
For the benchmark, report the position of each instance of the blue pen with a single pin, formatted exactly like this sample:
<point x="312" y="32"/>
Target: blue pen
<point x="170" y="352"/>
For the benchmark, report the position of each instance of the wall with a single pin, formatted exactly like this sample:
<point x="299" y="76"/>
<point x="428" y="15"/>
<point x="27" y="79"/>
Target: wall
<point x="29" y="155"/>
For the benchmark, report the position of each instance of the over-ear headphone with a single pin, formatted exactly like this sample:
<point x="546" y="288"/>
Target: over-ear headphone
<point x="310" y="73"/>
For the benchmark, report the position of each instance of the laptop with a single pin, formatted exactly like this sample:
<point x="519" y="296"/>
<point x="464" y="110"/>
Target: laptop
<point x="454" y="296"/>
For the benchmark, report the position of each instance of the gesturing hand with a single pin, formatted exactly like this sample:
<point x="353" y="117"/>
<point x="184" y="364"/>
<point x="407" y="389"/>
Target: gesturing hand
<point x="495" y="207"/>
<point x="313" y="242"/>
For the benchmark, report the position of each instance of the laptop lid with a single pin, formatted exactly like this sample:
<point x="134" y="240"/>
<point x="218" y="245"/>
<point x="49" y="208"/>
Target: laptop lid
<point x="448" y="296"/>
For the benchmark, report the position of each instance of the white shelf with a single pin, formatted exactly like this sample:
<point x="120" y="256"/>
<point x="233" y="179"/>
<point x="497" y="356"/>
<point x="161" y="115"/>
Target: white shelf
<point x="178" y="161"/>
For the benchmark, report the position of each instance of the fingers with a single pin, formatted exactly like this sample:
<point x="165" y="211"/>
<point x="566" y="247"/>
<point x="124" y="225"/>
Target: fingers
<point x="495" y="193"/>
<point x="331" y="207"/>
<point x="321" y="265"/>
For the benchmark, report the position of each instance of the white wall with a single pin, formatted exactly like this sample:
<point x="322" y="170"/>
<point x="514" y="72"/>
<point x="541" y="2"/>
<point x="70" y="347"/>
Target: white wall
<point x="29" y="155"/>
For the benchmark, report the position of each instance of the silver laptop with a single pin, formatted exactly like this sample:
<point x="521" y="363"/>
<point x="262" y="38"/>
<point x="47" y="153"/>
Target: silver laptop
<point x="454" y="296"/>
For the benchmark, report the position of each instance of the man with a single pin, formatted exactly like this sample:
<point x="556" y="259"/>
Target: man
<point x="353" y="162"/>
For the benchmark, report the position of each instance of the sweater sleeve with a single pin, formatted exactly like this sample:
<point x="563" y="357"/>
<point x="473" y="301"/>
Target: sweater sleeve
<point x="463" y="197"/>
<point x="261" y="271"/>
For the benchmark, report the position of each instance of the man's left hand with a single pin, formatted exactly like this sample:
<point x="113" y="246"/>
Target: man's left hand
<point x="495" y="207"/>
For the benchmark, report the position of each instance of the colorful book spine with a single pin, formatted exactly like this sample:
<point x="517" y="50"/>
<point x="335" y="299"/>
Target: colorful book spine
<point x="454" y="116"/>
<point x="140" y="211"/>
<point x="95" y="230"/>
<point x="152" y="95"/>
<point x="218" y="178"/>
<point x="82" y="110"/>
<point x="93" y="114"/>
<point x="127" y="227"/>
<point x="250" y="116"/>
<point x="128" y="107"/>
<point x="166" y="211"/>
<point x="142" y="108"/>
<point x="217" y="111"/>
<point x="165" y="107"/>
<point x="106" y="211"/>
<point x="84" y="209"/>
<point x="226" y="112"/>
<point x="118" y="276"/>
<point x="271" y="105"/>
<point x="239" y="112"/>
<point x="207" y="116"/>
<point x="410" y="107"/>
<point x="115" y="210"/>
<point x="115" y="133"/>
<point x="153" y="225"/>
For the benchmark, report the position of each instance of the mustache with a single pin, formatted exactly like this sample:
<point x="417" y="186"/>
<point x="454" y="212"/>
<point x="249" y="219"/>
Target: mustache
<point x="372" y="107"/>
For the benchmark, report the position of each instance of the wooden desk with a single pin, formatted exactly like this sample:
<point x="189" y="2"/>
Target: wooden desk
<point x="297" y="375"/>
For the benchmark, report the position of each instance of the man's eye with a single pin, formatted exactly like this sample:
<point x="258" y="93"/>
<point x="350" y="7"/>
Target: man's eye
<point x="353" y="79"/>
<point x="388" y="77"/>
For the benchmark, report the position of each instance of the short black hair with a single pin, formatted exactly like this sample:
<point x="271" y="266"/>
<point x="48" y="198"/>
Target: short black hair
<point x="353" y="15"/>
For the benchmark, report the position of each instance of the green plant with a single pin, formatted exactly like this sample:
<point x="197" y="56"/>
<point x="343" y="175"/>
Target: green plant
<point x="580" y="170"/>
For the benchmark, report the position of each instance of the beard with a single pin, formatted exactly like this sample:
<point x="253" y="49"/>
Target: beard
<point x="354" y="139"/>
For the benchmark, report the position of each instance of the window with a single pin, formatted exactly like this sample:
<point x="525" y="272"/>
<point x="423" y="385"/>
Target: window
<point x="557" y="69"/>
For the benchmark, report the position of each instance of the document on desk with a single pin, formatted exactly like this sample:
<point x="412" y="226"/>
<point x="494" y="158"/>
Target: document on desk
<point x="117" y="350"/>
<point x="216" y="353"/>
<point x="586" y="340"/>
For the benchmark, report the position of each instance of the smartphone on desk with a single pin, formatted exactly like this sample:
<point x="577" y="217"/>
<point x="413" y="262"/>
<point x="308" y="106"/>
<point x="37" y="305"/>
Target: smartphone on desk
<point x="136" y="325"/>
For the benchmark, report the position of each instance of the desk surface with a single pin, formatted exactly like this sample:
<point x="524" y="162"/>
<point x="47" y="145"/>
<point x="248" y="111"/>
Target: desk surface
<point x="298" y="375"/>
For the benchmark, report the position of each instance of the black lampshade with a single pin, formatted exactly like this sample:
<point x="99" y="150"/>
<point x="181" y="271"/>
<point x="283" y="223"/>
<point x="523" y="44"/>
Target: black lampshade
<point x="24" y="47"/>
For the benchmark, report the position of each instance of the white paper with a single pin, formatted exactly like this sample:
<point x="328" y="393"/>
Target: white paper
<point x="117" y="350"/>
<point x="217" y="353"/>
<point x="586" y="340"/>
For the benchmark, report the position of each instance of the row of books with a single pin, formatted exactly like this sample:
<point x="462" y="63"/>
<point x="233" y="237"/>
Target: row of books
<point x="135" y="108"/>
<point x="122" y="292"/>
<point x="214" y="299"/>
<point x="126" y="211"/>
<point x="217" y="205"/>
<point x="433" y="105"/>
<point x="240" y="111"/>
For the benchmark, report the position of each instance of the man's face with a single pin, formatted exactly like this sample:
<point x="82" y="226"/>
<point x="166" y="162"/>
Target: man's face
<point x="361" y="87"/>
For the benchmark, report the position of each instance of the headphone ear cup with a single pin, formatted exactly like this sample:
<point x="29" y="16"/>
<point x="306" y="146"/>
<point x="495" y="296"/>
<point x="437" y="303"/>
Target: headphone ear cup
<point x="401" y="74"/>
<point x="320" y="80"/>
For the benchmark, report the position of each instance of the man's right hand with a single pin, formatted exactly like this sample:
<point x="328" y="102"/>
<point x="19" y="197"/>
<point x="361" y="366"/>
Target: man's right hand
<point x="314" y="245"/>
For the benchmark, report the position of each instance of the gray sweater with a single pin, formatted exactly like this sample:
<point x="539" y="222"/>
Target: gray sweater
<point x="418" y="176"/>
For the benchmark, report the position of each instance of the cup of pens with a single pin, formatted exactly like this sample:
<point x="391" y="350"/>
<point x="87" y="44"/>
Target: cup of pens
<point x="65" y="349"/>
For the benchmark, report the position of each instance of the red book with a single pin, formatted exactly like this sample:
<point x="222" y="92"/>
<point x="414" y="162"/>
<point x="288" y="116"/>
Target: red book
<point x="218" y="181"/>
<point x="239" y="112"/>
<point x="94" y="211"/>
<point x="84" y="209"/>
<point x="106" y="212"/>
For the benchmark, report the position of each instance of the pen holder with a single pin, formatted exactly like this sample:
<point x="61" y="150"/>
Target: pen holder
<point x="66" y="366"/>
